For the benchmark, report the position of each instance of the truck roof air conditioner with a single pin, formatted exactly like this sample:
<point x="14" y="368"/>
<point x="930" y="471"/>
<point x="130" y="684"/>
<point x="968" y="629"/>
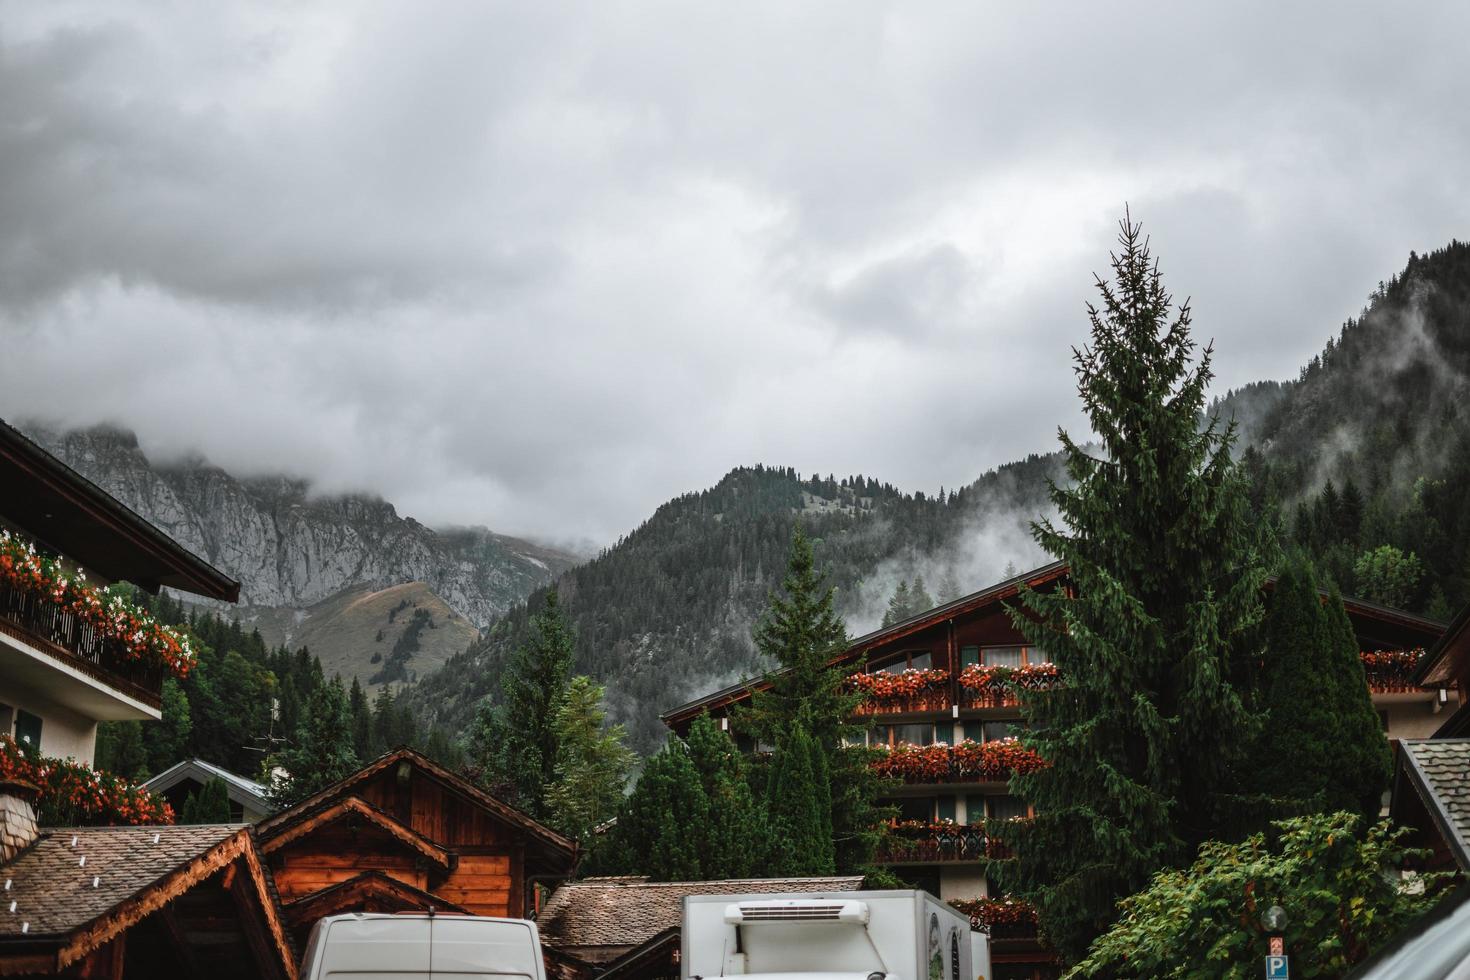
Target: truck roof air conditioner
<point x="797" y="910"/>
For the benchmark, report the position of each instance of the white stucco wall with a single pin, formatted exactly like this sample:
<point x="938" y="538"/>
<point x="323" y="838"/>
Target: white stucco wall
<point x="963" y="881"/>
<point x="65" y="734"/>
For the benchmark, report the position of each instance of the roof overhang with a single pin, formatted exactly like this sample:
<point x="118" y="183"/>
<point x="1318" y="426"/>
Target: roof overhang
<point x="62" y="510"/>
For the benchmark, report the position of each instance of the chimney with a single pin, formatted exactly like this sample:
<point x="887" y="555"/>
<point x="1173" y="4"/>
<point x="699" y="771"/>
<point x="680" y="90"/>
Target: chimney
<point x="17" y="817"/>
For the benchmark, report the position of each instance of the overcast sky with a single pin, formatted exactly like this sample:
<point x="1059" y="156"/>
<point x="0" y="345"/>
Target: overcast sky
<point x="543" y="266"/>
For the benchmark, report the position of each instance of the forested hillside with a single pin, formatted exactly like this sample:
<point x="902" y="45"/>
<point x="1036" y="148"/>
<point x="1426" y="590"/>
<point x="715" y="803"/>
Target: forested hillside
<point x="1366" y="455"/>
<point x="1358" y="461"/>
<point x="666" y="613"/>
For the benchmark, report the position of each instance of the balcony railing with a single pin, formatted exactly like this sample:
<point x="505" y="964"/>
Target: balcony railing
<point x="968" y="762"/>
<point x="1391" y="671"/>
<point x="996" y="687"/>
<point x="926" y="843"/>
<point x="31" y="619"/>
<point x="891" y="693"/>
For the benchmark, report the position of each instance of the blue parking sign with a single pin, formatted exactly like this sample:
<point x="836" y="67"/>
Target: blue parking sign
<point x="1276" y="968"/>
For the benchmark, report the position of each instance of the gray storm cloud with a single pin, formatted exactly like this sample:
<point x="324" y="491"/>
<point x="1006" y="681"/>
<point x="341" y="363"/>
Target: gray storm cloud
<point x="543" y="267"/>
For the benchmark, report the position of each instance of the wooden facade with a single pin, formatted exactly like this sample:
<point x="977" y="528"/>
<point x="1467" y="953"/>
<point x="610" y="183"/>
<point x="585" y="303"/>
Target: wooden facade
<point x="405" y="834"/>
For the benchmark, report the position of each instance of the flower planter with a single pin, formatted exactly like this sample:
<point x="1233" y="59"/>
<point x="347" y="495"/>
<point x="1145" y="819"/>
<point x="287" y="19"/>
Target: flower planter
<point x="73" y="794"/>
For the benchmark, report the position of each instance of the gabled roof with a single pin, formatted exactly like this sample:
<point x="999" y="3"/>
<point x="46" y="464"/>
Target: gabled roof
<point x="1437" y="666"/>
<point x="349" y="807"/>
<point x="240" y="790"/>
<point x="318" y="801"/>
<point x="77" y="906"/>
<point x="629" y="911"/>
<point x="61" y="509"/>
<point x="374" y="888"/>
<point x="1439" y="771"/>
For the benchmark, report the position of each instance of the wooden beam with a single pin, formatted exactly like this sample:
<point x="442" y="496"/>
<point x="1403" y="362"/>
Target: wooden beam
<point x="170" y="920"/>
<point x="255" y="935"/>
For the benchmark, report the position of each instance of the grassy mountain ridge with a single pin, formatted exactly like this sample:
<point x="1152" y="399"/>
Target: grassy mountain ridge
<point x="356" y="632"/>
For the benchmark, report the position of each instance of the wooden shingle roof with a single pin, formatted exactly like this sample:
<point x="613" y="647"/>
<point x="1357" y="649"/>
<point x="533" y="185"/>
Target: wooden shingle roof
<point x="629" y="911"/>
<point x="76" y="889"/>
<point x="1439" y="770"/>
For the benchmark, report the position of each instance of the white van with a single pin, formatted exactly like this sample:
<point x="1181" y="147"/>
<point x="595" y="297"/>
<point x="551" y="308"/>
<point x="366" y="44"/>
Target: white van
<point x="369" y="946"/>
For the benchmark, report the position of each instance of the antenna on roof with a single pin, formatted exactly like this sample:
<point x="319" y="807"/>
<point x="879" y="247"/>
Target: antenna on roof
<point x="267" y="743"/>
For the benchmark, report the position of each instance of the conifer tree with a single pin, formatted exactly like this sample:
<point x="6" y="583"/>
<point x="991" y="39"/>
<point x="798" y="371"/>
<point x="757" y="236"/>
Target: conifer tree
<point x="1165" y="560"/>
<point x="798" y="636"/>
<point x="737" y="842"/>
<point x="211" y="804"/>
<point x="801" y="840"/>
<point x="323" y="752"/>
<point x="1362" y="763"/>
<point x="660" y="828"/>
<point x="592" y="764"/>
<point x="900" y="605"/>
<point x="514" y="743"/>
<point x="362" y="720"/>
<point x="919" y="598"/>
<point x="1299" y="742"/>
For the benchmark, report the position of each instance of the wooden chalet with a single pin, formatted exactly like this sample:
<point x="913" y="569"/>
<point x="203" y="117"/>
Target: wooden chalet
<point x="120" y="902"/>
<point x="942" y="690"/>
<point x="405" y="834"/>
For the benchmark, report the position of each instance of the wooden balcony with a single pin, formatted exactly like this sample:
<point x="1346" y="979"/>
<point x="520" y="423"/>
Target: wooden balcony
<point x="909" y="843"/>
<point x="921" y="702"/>
<point x="61" y="635"/>
<point x="1391" y="671"/>
<point x="998" y="687"/>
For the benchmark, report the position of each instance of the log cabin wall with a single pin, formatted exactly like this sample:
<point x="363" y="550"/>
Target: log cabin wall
<point x="405" y="819"/>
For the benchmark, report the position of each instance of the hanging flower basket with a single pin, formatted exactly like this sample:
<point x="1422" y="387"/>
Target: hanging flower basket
<point x="74" y="794"/>
<point x="129" y="629"/>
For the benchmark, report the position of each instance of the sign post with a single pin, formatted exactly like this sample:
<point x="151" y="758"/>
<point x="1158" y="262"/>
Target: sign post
<point x="1276" y="968"/>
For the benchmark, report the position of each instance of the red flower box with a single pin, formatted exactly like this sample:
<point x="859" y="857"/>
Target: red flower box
<point x="77" y="794"/>
<point x="994" y="761"/>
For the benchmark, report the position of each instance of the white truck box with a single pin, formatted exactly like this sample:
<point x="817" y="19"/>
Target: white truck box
<point x="367" y="946"/>
<point x="897" y="935"/>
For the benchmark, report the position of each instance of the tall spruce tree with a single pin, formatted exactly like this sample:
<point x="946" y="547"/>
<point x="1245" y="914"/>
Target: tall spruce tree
<point x="737" y="842"/>
<point x="1166" y="562"/>
<point x="1294" y="759"/>
<point x="798" y="636"/>
<point x="801" y="831"/>
<point x="900" y="605"/>
<point x="515" y="743"/>
<point x="661" y="827"/>
<point x="1363" y="762"/>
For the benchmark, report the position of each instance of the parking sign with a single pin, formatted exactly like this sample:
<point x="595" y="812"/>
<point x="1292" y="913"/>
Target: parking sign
<point x="1276" y="968"/>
